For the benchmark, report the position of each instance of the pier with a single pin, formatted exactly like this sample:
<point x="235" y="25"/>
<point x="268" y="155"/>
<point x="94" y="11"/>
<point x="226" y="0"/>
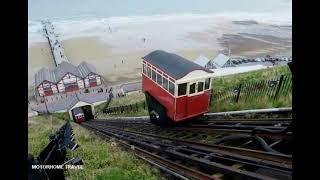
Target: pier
<point x="55" y="45"/>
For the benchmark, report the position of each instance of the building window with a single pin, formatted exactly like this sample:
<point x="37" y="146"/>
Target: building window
<point x="207" y="83"/>
<point x="153" y="74"/>
<point x="165" y="83"/>
<point x="200" y="86"/>
<point x="159" y="79"/>
<point x="182" y="89"/>
<point x="171" y="88"/>
<point x="192" y="88"/>
<point x="149" y="72"/>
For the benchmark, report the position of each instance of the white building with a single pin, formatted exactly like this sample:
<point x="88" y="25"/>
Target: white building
<point x="221" y="61"/>
<point x="202" y="61"/>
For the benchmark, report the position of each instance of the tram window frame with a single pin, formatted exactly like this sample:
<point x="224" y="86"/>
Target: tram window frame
<point x="159" y="80"/>
<point x="149" y="71"/>
<point x="184" y="91"/>
<point x="199" y="91"/>
<point x="154" y="75"/>
<point x="207" y="83"/>
<point x="171" y="88"/>
<point x="165" y="81"/>
<point x="144" y="69"/>
<point x="192" y="88"/>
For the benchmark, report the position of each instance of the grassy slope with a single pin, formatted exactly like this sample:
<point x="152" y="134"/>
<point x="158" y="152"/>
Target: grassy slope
<point x="102" y="159"/>
<point x="220" y="83"/>
<point x="223" y="82"/>
<point x="126" y="100"/>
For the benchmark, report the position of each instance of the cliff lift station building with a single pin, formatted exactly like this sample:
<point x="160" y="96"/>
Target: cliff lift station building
<point x="66" y="78"/>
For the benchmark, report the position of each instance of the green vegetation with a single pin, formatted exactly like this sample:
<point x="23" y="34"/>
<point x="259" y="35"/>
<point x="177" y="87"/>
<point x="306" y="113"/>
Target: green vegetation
<point x="221" y="83"/>
<point x="103" y="159"/>
<point x="126" y="100"/>
<point x="257" y="102"/>
<point x="130" y="99"/>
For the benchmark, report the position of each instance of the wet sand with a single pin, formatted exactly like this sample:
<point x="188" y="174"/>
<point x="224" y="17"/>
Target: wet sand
<point x="39" y="56"/>
<point x="251" y="45"/>
<point x="116" y="67"/>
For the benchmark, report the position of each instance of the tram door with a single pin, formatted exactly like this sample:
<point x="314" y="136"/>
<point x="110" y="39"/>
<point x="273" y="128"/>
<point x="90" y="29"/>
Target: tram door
<point x="196" y="101"/>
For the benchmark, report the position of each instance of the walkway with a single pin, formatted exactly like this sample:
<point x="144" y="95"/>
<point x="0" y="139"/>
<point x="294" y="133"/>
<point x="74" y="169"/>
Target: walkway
<point x="56" y="47"/>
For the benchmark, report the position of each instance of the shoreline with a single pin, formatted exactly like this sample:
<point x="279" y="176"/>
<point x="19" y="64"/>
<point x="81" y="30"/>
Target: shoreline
<point x="119" y="60"/>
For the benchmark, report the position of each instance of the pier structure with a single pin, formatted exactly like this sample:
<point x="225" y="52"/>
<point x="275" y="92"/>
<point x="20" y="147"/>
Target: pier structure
<point x="55" y="45"/>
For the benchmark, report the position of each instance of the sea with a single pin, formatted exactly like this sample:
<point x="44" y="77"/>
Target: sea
<point x="73" y="18"/>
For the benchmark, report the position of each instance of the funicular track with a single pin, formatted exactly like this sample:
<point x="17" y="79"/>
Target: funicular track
<point x="271" y="135"/>
<point x="218" y="146"/>
<point x="209" y="161"/>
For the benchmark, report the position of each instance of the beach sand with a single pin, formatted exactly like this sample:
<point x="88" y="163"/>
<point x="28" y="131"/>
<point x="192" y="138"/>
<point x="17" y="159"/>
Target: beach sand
<point x="115" y="67"/>
<point x="120" y="61"/>
<point x="39" y="56"/>
<point x="85" y="49"/>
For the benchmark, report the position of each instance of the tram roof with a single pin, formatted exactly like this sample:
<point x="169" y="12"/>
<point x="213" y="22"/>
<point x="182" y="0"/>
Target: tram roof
<point x="172" y="64"/>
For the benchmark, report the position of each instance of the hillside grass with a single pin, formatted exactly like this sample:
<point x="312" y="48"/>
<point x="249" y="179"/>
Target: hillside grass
<point x="258" y="103"/>
<point x="103" y="159"/>
<point x="126" y="100"/>
<point x="223" y="82"/>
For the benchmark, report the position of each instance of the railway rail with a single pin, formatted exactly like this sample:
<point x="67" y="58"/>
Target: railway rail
<point x="255" y="114"/>
<point x="252" y="144"/>
<point x="263" y="141"/>
<point x="190" y="160"/>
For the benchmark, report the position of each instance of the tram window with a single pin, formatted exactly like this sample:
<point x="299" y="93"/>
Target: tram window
<point x="148" y="71"/>
<point x="154" y="75"/>
<point x="182" y="89"/>
<point x="165" y="83"/>
<point x="207" y="83"/>
<point x="144" y="69"/>
<point x="159" y="79"/>
<point x="171" y="88"/>
<point x="200" y="86"/>
<point x="192" y="88"/>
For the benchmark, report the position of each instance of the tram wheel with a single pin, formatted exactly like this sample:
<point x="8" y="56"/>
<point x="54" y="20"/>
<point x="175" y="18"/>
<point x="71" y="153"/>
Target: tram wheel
<point x="157" y="112"/>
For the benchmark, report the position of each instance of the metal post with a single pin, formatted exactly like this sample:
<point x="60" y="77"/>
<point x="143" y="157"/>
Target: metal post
<point x="290" y="66"/>
<point x="238" y="93"/>
<point x="279" y="87"/>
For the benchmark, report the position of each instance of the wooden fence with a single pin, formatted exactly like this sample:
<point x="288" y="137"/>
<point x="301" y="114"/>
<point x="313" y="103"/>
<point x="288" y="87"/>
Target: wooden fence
<point x="126" y="108"/>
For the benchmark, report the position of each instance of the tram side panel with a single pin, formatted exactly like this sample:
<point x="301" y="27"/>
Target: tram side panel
<point x="191" y="106"/>
<point x="162" y="96"/>
<point x="198" y="104"/>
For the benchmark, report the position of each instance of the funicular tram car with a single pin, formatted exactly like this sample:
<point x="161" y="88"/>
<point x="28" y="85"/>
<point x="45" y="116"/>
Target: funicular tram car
<point x="176" y="89"/>
<point x="78" y="114"/>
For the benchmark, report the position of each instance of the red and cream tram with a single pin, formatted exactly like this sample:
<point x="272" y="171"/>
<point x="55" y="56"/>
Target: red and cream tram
<point x="176" y="89"/>
<point x="78" y="114"/>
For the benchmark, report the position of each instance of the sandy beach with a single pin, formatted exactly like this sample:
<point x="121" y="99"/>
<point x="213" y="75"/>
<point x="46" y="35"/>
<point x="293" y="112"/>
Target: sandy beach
<point x="116" y="67"/>
<point x="39" y="56"/>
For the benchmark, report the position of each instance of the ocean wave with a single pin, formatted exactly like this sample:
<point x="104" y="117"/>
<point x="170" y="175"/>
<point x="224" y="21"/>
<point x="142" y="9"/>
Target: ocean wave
<point x="92" y="26"/>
